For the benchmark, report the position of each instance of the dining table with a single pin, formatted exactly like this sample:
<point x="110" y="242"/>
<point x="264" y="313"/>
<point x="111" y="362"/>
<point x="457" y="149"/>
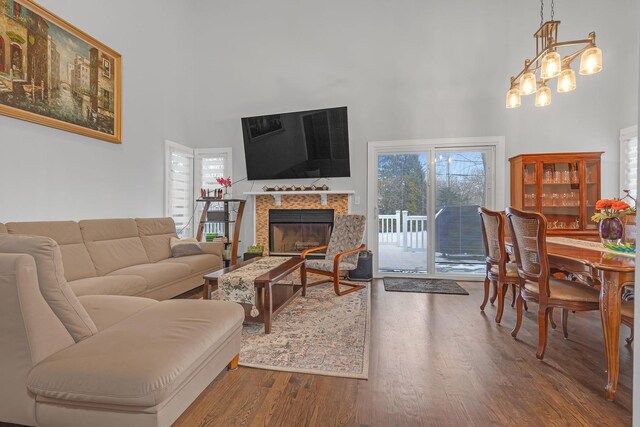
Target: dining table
<point x="589" y="262"/>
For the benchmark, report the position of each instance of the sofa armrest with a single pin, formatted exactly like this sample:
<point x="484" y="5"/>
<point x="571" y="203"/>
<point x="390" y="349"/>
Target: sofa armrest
<point x="213" y="248"/>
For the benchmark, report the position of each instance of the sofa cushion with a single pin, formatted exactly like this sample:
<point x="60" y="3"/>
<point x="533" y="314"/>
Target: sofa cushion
<point x="113" y="244"/>
<point x="53" y="286"/>
<point x="185" y="247"/>
<point x="107" y="310"/>
<point x="75" y="257"/>
<point x="197" y="263"/>
<point x="110" y="285"/>
<point x="3" y="229"/>
<point x="155" y="234"/>
<point x="166" y="342"/>
<point x="156" y="274"/>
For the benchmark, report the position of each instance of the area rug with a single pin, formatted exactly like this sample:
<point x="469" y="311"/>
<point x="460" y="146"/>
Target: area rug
<point x="425" y="286"/>
<point x="321" y="333"/>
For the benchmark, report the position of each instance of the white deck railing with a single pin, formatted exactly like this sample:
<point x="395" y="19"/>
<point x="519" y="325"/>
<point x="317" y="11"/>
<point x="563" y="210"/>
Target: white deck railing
<point x="402" y="229"/>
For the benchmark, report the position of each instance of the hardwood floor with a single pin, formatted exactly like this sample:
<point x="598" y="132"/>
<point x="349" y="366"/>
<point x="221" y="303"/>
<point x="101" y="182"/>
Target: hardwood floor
<point x="436" y="360"/>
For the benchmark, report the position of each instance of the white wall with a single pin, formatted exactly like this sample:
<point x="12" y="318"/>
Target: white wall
<point x="406" y="69"/>
<point x="411" y="69"/>
<point x="50" y="174"/>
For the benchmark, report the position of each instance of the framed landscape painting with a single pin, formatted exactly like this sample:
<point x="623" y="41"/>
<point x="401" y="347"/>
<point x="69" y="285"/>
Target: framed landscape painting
<point x="53" y="74"/>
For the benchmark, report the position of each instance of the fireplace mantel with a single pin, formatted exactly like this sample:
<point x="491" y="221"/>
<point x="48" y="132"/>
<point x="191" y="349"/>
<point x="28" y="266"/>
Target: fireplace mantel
<point x="277" y="195"/>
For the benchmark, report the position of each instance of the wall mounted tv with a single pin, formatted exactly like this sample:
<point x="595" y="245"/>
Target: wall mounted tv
<point x="304" y="144"/>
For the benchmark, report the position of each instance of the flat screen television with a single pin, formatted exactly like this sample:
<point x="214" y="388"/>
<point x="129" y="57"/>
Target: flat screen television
<point x="303" y="144"/>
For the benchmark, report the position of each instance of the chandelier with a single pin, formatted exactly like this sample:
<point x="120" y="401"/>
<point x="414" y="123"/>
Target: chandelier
<point x="548" y="64"/>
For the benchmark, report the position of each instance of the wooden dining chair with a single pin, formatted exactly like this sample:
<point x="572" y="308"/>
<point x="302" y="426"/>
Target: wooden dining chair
<point x="500" y="272"/>
<point x="341" y="254"/>
<point x="529" y="234"/>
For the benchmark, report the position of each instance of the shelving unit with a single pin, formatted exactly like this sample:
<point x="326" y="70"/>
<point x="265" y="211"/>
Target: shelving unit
<point x="223" y="216"/>
<point x="563" y="186"/>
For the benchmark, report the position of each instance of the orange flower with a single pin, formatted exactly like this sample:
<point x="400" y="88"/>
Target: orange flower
<point x="603" y="204"/>
<point x="618" y="205"/>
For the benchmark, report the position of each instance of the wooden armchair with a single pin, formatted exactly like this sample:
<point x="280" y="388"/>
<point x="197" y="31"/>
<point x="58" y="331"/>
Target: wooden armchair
<point x="529" y="234"/>
<point x="341" y="255"/>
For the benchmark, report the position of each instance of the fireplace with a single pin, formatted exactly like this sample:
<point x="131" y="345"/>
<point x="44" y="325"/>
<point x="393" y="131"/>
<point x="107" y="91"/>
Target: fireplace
<point x="291" y="231"/>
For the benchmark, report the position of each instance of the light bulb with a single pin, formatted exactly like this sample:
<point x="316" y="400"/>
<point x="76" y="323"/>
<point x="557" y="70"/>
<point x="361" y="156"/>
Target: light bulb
<point x="566" y="80"/>
<point x="528" y="83"/>
<point x="543" y="96"/>
<point x="551" y="64"/>
<point x="513" y="98"/>
<point x="591" y="61"/>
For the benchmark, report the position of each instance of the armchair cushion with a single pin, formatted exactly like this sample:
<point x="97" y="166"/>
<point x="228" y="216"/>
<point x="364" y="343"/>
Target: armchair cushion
<point x="327" y="265"/>
<point x="347" y="234"/>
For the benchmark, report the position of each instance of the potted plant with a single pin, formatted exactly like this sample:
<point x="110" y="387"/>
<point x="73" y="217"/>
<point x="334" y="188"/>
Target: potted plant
<point x="610" y="219"/>
<point x="225" y="183"/>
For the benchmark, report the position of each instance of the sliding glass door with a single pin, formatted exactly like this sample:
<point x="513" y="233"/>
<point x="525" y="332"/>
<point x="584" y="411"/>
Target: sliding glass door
<point x="402" y="212"/>
<point x="461" y="186"/>
<point x="425" y="208"/>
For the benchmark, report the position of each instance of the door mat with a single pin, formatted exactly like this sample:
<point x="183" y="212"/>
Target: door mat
<point x="424" y="286"/>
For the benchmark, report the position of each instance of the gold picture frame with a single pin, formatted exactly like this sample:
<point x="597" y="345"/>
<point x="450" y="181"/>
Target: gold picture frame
<point x="54" y="74"/>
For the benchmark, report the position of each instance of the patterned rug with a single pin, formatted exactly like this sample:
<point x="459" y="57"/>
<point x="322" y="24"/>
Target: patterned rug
<point x="321" y="333"/>
<point x="425" y="286"/>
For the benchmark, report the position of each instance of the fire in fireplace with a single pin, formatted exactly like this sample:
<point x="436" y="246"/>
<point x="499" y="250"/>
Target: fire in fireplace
<point x="291" y="231"/>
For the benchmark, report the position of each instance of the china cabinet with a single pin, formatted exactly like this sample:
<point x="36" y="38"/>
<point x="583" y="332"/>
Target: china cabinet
<point x="563" y="186"/>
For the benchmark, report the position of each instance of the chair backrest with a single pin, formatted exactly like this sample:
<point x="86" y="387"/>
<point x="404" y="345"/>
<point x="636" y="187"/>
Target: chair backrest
<point x="529" y="236"/>
<point x="493" y="236"/>
<point x="348" y="233"/>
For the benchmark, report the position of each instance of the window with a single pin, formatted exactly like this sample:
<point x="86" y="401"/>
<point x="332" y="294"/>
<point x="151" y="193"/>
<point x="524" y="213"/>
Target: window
<point x="211" y="163"/>
<point x="179" y="186"/>
<point x="629" y="160"/>
<point x="187" y="171"/>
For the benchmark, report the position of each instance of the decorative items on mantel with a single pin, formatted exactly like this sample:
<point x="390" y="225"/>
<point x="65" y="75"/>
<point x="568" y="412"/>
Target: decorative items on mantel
<point x="277" y="194"/>
<point x="551" y="64"/>
<point x="323" y="187"/>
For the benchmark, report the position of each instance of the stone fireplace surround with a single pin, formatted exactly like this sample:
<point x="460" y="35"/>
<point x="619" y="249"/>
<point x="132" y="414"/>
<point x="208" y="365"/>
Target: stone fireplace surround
<point x="339" y="202"/>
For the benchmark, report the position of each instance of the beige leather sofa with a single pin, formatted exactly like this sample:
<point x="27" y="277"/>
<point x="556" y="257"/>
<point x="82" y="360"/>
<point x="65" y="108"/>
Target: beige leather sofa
<point x="100" y="360"/>
<point x="123" y="256"/>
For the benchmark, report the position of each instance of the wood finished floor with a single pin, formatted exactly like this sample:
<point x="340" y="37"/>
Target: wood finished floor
<point x="436" y="360"/>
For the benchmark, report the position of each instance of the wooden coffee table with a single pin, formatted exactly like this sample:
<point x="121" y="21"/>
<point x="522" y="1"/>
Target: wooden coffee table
<point x="270" y="299"/>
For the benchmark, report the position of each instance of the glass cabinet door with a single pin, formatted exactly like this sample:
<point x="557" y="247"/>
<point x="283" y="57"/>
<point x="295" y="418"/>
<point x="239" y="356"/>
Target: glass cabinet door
<point x="529" y="193"/>
<point x="592" y="170"/>
<point x="560" y="197"/>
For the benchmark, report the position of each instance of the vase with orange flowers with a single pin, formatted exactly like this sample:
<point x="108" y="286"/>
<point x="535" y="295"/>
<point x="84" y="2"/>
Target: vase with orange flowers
<point x="610" y="223"/>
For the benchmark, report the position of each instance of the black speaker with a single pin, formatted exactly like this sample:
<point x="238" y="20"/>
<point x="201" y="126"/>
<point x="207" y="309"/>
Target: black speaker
<point x="364" y="271"/>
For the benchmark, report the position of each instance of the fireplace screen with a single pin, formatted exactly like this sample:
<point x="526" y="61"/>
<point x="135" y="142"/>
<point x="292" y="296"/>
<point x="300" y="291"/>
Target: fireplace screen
<point x="293" y="231"/>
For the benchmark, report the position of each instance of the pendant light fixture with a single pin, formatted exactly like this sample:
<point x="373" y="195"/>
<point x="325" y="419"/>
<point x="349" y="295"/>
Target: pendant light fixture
<point x="551" y="64"/>
<point x="513" y="96"/>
